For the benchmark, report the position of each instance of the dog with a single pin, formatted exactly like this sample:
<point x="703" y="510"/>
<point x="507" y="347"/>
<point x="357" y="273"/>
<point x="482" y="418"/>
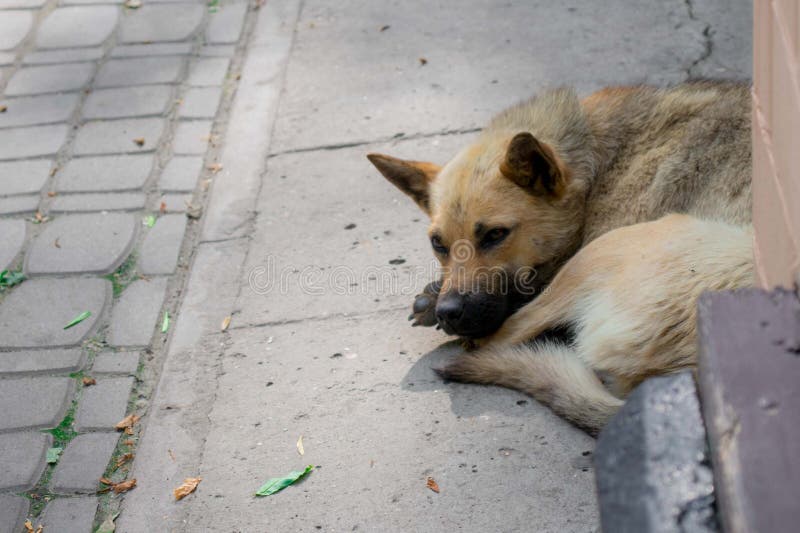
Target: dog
<point x="549" y="176"/>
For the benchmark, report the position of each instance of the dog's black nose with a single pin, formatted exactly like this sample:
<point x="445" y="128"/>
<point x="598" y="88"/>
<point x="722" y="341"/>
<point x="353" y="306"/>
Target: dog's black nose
<point x="450" y="308"/>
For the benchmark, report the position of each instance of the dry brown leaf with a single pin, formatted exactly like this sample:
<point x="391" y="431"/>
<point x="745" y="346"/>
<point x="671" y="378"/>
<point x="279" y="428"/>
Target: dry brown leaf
<point x="3" y="108"/>
<point x="433" y="485"/>
<point x="215" y="167"/>
<point x="187" y="487"/>
<point x="122" y="460"/>
<point x="162" y="208"/>
<point x="57" y="245"/>
<point x="139" y="141"/>
<point x="28" y="526"/>
<point x="204" y="184"/>
<point x="225" y="323"/>
<point x="106" y="481"/>
<point x="128" y="431"/>
<point x="124" y="486"/>
<point x="128" y="442"/>
<point x="127" y="422"/>
<point x="53" y="171"/>
<point x="423" y="61"/>
<point x="87" y="380"/>
<point x="52" y="194"/>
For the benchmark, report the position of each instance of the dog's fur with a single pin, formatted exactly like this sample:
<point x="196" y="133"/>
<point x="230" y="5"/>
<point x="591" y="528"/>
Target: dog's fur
<point x="551" y="175"/>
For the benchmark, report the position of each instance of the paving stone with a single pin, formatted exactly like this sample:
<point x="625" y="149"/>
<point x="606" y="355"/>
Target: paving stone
<point x="141" y="101"/>
<point x="13" y="510"/>
<point x="93" y="244"/>
<point x="14" y="26"/>
<point x="77" y="26"/>
<point x="82" y="2"/>
<point x="117" y="136"/>
<point x="200" y="102"/>
<point x="150" y="50"/>
<point x="8" y="4"/>
<point x="104" y="404"/>
<point x="69" y="515"/>
<point x="159" y="252"/>
<point x="180" y="174"/>
<point x="31" y="110"/>
<point x="105" y="173"/>
<point x="136" y="313"/>
<point x="90" y="202"/>
<point x="83" y="463"/>
<point x="15" y="205"/>
<point x="224" y="50"/>
<point x="192" y="137"/>
<point x="49" y="79"/>
<point x="32" y="141"/>
<point x="12" y="237"/>
<point x="176" y="203"/>
<point x="152" y="23"/>
<point x="34" y="313"/>
<point x="40" y="361"/>
<point x="74" y="55"/>
<point x="225" y="26"/>
<point x="22" y="459"/>
<point x="208" y="71"/>
<point x="34" y="402"/>
<point x="652" y="462"/>
<point x="139" y="71"/>
<point x="24" y="177"/>
<point x="116" y="363"/>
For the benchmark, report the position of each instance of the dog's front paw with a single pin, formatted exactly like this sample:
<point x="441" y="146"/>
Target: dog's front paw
<point x="423" y="312"/>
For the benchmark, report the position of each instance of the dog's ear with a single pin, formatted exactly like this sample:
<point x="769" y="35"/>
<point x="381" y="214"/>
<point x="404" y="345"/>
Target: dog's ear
<point x="411" y="177"/>
<point x="534" y="166"/>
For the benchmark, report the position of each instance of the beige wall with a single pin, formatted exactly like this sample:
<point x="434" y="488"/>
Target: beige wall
<point x="776" y="141"/>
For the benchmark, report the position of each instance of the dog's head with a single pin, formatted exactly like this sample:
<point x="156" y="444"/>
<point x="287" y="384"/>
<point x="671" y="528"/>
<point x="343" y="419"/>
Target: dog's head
<point x="503" y="212"/>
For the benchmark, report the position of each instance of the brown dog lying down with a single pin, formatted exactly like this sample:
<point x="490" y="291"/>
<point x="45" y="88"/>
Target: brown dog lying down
<point x="630" y="298"/>
<point x="557" y="176"/>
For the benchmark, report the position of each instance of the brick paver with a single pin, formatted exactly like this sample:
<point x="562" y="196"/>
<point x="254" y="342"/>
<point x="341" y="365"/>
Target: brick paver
<point x="77" y="26"/>
<point x="49" y="79"/>
<point x="159" y="253"/>
<point x="137" y="312"/>
<point x="83" y="462"/>
<point x="103" y="404"/>
<point x="95" y="243"/>
<point x="104" y="173"/>
<point x="60" y="360"/>
<point x="107" y="115"/>
<point x="35" y="313"/>
<point x="69" y="515"/>
<point x="12" y="237"/>
<point x="21" y="457"/>
<point x="33" y="402"/>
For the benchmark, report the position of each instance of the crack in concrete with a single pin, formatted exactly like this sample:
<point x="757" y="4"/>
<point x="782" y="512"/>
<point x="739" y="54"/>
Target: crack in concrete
<point x="321" y="318"/>
<point x="707" y="36"/>
<point x="397" y="137"/>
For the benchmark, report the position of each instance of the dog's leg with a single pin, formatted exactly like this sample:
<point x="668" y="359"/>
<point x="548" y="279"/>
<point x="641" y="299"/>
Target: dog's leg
<point x="423" y="312"/>
<point x="550" y="372"/>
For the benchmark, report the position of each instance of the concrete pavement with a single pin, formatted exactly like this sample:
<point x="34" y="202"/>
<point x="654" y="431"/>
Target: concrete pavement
<point x="308" y="250"/>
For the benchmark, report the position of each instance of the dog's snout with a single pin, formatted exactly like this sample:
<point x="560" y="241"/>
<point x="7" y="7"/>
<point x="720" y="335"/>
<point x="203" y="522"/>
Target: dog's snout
<point x="450" y="308"/>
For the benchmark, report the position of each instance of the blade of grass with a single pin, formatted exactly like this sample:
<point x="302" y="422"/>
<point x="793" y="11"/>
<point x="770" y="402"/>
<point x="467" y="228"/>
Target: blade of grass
<point x="78" y="319"/>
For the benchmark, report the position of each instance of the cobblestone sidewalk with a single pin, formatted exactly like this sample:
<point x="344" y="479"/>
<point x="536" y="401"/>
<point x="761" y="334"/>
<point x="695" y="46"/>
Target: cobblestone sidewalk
<point x="109" y="123"/>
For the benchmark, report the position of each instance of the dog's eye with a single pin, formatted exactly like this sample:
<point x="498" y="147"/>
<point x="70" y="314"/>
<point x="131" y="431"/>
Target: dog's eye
<point x="437" y="245"/>
<point x="494" y="237"/>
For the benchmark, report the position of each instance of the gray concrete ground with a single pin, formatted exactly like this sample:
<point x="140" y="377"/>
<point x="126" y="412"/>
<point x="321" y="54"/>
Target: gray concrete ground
<point x="114" y="114"/>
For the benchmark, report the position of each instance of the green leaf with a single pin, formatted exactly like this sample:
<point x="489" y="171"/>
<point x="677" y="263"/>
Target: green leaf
<point x="53" y="454"/>
<point x="9" y="279"/>
<point x="108" y="525"/>
<point x="277" y="484"/>
<point x="78" y="319"/>
<point x="149" y="221"/>
<point x="165" y="322"/>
